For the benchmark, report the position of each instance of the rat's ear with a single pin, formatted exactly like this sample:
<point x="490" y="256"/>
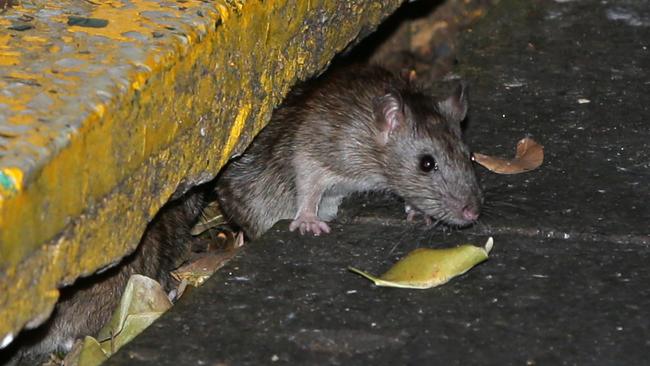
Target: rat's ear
<point x="389" y="114"/>
<point x="454" y="108"/>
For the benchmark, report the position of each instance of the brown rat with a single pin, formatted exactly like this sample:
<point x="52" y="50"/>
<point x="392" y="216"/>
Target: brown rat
<point x="363" y="129"/>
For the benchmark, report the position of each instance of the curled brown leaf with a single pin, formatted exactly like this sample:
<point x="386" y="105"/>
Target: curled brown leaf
<point x="529" y="156"/>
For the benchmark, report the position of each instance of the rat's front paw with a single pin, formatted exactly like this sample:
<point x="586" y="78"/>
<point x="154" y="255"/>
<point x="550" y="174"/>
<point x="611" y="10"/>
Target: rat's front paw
<point x="307" y="224"/>
<point x="411" y="212"/>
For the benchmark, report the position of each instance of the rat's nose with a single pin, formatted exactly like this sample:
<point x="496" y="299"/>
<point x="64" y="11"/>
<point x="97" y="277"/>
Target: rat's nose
<point x="470" y="213"/>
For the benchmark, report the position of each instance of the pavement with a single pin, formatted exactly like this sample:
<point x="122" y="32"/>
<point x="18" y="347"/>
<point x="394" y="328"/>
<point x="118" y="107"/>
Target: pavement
<point x="567" y="280"/>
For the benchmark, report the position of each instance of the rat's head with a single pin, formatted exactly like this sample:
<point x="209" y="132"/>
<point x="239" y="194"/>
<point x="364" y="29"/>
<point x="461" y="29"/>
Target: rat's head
<point x="426" y="161"/>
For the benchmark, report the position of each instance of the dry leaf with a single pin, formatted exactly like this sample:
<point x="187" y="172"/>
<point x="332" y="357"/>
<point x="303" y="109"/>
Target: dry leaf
<point x="210" y="217"/>
<point x="199" y="270"/>
<point x="6" y="4"/>
<point x="529" y="156"/>
<point x="425" y="268"/>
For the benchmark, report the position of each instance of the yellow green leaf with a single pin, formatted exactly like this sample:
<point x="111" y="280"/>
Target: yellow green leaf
<point x="91" y="354"/>
<point x="142" y="302"/>
<point x="425" y="268"/>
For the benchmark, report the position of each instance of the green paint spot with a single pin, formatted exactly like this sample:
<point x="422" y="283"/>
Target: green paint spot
<point x="19" y="26"/>
<point x="6" y="183"/>
<point x="87" y="22"/>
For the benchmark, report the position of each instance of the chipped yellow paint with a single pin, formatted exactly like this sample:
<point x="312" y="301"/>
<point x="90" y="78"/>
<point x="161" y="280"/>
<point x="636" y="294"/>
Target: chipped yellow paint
<point x="4" y="23"/>
<point x="126" y="17"/>
<point x="235" y="132"/>
<point x="35" y="39"/>
<point x="105" y="166"/>
<point x="22" y="117"/>
<point x="122" y="18"/>
<point x="100" y="109"/>
<point x="8" y="56"/>
<point x="223" y="12"/>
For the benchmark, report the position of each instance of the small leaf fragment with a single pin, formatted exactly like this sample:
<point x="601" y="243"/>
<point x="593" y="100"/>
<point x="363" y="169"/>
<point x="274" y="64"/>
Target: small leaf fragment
<point x="529" y="156"/>
<point x="425" y="268"/>
<point x="211" y="217"/>
<point x="201" y="268"/>
<point x="6" y="4"/>
<point x="196" y="272"/>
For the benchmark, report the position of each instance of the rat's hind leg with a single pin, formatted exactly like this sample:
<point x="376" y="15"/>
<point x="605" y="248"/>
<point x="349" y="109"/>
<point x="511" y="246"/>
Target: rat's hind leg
<point x="310" y="185"/>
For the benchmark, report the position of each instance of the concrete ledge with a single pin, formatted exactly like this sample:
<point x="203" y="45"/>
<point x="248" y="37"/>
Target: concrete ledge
<point x="99" y="126"/>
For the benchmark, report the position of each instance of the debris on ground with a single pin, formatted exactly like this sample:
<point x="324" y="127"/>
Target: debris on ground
<point x="425" y="268"/>
<point x="529" y="156"/>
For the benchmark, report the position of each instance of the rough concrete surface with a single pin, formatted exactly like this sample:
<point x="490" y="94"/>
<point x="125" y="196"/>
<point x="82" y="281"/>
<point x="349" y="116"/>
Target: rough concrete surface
<point x="567" y="281"/>
<point x="292" y="298"/>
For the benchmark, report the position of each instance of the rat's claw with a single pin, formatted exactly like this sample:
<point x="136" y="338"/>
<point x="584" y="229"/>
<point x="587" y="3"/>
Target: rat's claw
<point x="305" y="225"/>
<point x="428" y="220"/>
<point x="410" y="216"/>
<point x="294" y="225"/>
<point x="319" y="227"/>
<point x="411" y="213"/>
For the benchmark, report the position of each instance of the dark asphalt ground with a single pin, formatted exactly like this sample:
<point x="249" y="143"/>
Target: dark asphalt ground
<point x="568" y="279"/>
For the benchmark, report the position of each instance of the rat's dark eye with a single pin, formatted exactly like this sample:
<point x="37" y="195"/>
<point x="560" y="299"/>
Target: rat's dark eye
<point x="428" y="163"/>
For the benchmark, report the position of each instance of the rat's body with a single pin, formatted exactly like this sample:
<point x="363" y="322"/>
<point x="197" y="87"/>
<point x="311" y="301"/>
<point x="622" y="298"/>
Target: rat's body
<point x="362" y="130"/>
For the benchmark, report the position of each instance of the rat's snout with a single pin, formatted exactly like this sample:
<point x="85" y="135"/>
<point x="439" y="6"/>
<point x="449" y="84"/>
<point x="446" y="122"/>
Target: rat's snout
<point x="472" y="208"/>
<point x="470" y="213"/>
<point x="465" y="211"/>
<point x="462" y="212"/>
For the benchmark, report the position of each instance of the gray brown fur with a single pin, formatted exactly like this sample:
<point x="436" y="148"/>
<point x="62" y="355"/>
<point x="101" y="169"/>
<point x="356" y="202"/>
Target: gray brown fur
<point x="340" y="136"/>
